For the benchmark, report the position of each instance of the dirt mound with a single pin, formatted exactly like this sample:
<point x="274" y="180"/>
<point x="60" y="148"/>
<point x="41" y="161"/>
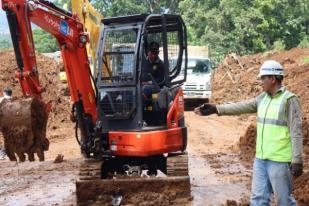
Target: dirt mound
<point x="236" y="78"/>
<point x="301" y="189"/>
<point x="48" y="75"/>
<point x="247" y="145"/>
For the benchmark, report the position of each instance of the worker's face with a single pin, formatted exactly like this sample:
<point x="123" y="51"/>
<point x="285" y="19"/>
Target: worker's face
<point x="268" y="82"/>
<point x="153" y="55"/>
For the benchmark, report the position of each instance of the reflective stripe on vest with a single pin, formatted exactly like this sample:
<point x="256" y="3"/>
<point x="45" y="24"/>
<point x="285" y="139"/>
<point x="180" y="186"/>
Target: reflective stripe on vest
<point x="273" y="138"/>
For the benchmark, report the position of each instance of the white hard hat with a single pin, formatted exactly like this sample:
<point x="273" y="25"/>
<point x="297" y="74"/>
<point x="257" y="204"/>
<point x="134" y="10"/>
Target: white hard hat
<point x="271" y="67"/>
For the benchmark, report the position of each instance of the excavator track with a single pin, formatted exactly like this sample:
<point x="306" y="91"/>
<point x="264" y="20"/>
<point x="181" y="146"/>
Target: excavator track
<point x="90" y="170"/>
<point x="177" y="165"/>
<point x="92" y="190"/>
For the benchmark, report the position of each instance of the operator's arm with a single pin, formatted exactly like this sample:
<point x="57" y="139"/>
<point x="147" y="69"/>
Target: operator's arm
<point x="295" y="128"/>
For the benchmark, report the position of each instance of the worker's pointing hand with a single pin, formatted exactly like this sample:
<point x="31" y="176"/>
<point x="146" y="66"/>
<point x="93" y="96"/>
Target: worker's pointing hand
<point x="198" y="111"/>
<point x="206" y="109"/>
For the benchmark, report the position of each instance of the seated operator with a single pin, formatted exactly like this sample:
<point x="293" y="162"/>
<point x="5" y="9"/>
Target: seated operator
<point x="154" y="67"/>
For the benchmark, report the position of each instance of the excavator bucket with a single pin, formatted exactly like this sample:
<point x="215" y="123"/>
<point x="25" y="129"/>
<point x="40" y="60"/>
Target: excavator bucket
<point x="23" y="124"/>
<point x="172" y="189"/>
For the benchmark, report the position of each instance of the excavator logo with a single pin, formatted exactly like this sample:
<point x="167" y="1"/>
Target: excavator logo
<point x="64" y="28"/>
<point x="50" y="21"/>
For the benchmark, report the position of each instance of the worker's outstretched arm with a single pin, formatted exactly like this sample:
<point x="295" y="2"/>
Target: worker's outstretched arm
<point x="249" y="106"/>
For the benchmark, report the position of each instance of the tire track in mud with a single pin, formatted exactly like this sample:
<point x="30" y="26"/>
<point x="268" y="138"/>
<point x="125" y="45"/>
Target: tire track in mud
<point x="217" y="175"/>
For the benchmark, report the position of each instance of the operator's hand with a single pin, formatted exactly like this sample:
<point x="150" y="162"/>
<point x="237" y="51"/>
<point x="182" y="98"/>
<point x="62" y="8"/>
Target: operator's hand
<point x="296" y="169"/>
<point x="206" y="109"/>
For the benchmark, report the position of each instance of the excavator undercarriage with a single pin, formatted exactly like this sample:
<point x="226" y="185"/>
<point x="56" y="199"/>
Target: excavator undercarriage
<point x="167" y="188"/>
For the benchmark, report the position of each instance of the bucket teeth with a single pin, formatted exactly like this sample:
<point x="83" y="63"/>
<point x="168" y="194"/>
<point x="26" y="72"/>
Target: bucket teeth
<point x="23" y="123"/>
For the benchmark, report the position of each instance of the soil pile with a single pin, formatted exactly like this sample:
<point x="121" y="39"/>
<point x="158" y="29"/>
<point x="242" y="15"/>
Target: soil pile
<point x="301" y="189"/>
<point x="236" y="78"/>
<point x="48" y="74"/>
<point x="48" y="70"/>
<point x="247" y="145"/>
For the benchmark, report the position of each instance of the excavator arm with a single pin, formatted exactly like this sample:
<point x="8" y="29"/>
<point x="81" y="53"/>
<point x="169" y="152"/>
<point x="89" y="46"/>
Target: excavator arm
<point x="72" y="40"/>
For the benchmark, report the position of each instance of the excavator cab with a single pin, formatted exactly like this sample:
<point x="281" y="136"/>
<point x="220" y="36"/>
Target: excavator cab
<point x="122" y="102"/>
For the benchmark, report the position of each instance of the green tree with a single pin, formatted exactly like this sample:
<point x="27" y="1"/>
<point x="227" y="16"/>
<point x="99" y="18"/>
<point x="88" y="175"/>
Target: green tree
<point x="245" y="26"/>
<point x="240" y="26"/>
<point x="64" y="4"/>
<point x="129" y="7"/>
<point x="44" y="42"/>
<point x="5" y="44"/>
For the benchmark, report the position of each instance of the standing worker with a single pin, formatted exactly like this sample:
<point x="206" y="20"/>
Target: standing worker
<point x="7" y="94"/>
<point x="279" y="146"/>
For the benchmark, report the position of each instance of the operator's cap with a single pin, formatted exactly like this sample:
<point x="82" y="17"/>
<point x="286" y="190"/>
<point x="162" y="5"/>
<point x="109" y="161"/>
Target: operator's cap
<point x="153" y="46"/>
<point x="271" y="67"/>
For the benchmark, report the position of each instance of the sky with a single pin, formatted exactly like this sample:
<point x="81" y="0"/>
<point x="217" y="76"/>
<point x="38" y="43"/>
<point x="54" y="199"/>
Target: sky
<point x="3" y="22"/>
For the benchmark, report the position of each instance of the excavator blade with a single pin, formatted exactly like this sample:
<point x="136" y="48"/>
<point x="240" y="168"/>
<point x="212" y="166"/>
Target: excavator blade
<point x="173" y="189"/>
<point x="23" y="124"/>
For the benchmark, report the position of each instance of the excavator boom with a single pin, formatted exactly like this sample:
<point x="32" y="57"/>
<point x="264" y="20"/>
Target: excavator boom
<point x="72" y="40"/>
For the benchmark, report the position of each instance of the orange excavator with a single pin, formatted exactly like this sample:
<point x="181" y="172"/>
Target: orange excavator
<point x="123" y="135"/>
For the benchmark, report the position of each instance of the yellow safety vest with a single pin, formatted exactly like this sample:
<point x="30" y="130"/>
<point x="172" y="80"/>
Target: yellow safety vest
<point x="273" y="137"/>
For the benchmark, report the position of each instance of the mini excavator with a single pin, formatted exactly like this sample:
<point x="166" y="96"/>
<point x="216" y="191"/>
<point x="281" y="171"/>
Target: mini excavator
<point x="121" y="135"/>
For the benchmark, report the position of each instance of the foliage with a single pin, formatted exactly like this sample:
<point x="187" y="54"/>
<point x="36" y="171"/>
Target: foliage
<point x="246" y="26"/>
<point x="44" y="42"/>
<point x="64" y="4"/>
<point x="5" y="43"/>
<point x="305" y="42"/>
<point x="239" y="26"/>
<point x="279" y="45"/>
<point x="129" y="7"/>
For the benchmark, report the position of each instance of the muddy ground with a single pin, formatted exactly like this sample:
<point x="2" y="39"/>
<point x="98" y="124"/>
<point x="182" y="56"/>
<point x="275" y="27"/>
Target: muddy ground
<point x="220" y="148"/>
<point x="216" y="172"/>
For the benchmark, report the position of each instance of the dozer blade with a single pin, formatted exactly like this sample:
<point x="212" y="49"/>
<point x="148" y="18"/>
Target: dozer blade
<point x="23" y="124"/>
<point x="170" y="190"/>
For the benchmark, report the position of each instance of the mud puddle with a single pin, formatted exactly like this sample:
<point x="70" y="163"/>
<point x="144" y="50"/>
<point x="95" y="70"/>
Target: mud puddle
<point x="38" y="183"/>
<point x="211" y="188"/>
